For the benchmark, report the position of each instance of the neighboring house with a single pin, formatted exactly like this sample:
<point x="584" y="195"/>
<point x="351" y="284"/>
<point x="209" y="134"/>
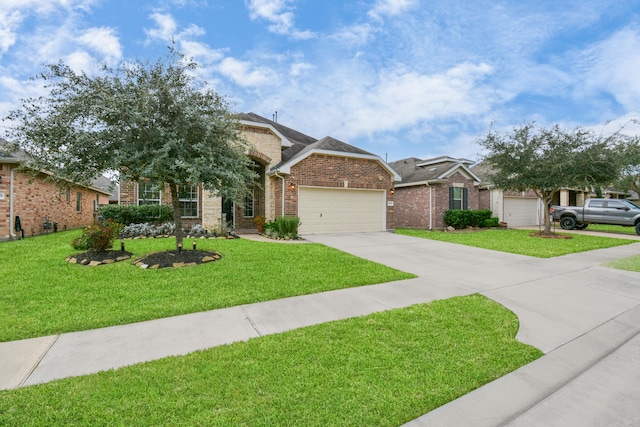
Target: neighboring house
<point x="37" y="203"/>
<point x="331" y="185"/>
<point x="515" y="208"/>
<point x="105" y="184"/>
<point x="428" y="188"/>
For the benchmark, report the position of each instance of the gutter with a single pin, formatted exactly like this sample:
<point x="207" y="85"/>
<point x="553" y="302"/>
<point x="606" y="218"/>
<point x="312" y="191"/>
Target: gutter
<point x="430" y="206"/>
<point x="11" y="217"/>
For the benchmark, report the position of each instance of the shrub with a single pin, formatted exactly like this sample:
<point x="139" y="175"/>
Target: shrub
<point x="148" y="230"/>
<point x="491" y="222"/>
<point x="284" y="227"/>
<point x="98" y="237"/>
<point x="466" y="218"/>
<point x="136" y="214"/>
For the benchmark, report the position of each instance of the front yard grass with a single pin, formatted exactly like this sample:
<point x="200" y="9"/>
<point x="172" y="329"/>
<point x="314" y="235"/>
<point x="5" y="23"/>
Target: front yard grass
<point x="41" y="294"/>
<point x="519" y="241"/>
<point x="383" y="369"/>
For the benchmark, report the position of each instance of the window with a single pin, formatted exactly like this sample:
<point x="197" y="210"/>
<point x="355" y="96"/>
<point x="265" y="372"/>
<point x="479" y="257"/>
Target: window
<point x="458" y="198"/>
<point x="247" y="210"/>
<point x="148" y="193"/>
<point x="188" y="196"/>
<point x="78" y="202"/>
<point x="615" y="205"/>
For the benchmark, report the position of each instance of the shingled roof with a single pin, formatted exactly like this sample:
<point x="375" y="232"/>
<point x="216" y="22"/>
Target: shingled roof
<point x="417" y="171"/>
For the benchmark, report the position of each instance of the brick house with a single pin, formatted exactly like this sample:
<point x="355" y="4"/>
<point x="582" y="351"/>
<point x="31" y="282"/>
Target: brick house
<point x="428" y="188"/>
<point x="37" y="205"/>
<point x="331" y="185"/>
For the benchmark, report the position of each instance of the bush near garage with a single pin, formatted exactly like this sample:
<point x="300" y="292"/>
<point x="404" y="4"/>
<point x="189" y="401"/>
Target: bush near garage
<point x="467" y="218"/>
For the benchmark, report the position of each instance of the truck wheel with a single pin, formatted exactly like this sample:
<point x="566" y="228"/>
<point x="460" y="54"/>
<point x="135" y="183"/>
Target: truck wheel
<point x="638" y="229"/>
<point x="581" y="226"/>
<point x="568" y="223"/>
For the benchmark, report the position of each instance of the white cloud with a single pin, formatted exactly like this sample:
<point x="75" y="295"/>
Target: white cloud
<point x="391" y="7"/>
<point x="166" y="27"/>
<point x="9" y="23"/>
<point x="300" y="68"/>
<point x="278" y="13"/>
<point x="103" y="41"/>
<point x="612" y="66"/>
<point x="243" y="74"/>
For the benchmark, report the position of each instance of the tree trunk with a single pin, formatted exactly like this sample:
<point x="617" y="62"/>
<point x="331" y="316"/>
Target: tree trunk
<point x="547" y="214"/>
<point x="177" y="217"/>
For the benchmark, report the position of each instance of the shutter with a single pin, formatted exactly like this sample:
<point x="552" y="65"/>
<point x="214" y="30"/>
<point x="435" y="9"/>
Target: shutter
<point x="450" y="198"/>
<point x="465" y="196"/>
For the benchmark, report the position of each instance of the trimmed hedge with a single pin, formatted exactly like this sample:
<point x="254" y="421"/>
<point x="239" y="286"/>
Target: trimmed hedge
<point x="467" y="218"/>
<point x="134" y="214"/>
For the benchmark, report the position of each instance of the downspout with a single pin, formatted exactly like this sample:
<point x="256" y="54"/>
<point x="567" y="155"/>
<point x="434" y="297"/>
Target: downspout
<point x="282" y="196"/>
<point x="430" y="206"/>
<point x="11" y="218"/>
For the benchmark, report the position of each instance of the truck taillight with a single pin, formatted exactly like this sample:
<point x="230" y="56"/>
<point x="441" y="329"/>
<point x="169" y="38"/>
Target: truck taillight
<point x="551" y="210"/>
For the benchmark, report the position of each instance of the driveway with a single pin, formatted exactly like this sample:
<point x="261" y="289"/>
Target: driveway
<point x="583" y="316"/>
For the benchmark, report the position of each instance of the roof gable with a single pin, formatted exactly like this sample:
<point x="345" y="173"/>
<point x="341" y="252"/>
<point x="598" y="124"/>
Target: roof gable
<point x="414" y="171"/>
<point x="331" y="147"/>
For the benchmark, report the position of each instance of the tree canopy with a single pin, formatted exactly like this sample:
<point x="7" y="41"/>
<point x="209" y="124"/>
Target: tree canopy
<point x="151" y="121"/>
<point x="546" y="160"/>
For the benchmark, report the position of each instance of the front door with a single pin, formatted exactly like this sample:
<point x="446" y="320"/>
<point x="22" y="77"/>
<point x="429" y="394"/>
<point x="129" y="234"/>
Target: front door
<point x="228" y="216"/>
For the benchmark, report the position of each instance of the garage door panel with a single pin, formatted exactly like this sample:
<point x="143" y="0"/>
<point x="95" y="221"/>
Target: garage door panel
<point x="331" y="210"/>
<point x="519" y="211"/>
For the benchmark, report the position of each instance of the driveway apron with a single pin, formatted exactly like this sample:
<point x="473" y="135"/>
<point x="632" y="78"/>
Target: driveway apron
<point x="583" y="316"/>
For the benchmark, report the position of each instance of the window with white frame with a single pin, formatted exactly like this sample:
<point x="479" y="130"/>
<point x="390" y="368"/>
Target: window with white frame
<point x="248" y="209"/>
<point x="458" y="198"/>
<point x="148" y="193"/>
<point x="188" y="196"/>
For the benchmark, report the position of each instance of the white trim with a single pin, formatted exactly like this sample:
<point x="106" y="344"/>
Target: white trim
<point x="284" y="140"/>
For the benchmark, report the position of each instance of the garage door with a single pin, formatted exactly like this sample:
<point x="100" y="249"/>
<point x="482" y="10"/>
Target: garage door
<point x="519" y="211"/>
<point x="333" y="210"/>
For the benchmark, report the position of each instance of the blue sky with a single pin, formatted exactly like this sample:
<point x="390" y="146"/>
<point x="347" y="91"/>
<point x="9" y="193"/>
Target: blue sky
<point x="399" y="78"/>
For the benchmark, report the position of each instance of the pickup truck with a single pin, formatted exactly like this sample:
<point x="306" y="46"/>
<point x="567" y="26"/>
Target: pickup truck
<point x="598" y="211"/>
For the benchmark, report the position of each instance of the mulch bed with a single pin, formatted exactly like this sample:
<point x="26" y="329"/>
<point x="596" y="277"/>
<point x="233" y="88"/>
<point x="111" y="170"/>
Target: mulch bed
<point x="92" y="258"/>
<point x="551" y="236"/>
<point x="175" y="259"/>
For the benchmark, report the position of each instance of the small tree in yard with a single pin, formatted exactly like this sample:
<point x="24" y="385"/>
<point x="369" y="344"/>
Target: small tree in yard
<point x="548" y="160"/>
<point x="147" y="121"/>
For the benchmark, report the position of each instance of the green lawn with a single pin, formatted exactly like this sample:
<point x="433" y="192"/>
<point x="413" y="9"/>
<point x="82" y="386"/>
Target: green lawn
<point x="41" y="294"/>
<point x="384" y="369"/>
<point x="520" y="241"/>
<point x="612" y="228"/>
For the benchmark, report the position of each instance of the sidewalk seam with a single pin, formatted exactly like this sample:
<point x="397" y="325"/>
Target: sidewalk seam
<point x="35" y="365"/>
<point x="253" y="324"/>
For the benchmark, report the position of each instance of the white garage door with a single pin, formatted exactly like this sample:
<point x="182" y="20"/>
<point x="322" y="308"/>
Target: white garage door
<point x="336" y="210"/>
<point x="519" y="211"/>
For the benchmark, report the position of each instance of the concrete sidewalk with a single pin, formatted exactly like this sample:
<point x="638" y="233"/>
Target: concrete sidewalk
<point x="584" y="317"/>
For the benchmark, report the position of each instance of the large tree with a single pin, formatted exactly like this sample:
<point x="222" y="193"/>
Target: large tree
<point x="149" y="121"/>
<point x="546" y="160"/>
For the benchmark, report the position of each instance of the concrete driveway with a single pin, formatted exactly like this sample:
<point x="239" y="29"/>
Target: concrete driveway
<point x="583" y="316"/>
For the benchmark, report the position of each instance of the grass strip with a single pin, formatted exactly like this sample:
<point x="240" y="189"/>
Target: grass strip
<point x="519" y="242"/>
<point x="41" y="294"/>
<point x="383" y="369"/>
<point x="628" y="264"/>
